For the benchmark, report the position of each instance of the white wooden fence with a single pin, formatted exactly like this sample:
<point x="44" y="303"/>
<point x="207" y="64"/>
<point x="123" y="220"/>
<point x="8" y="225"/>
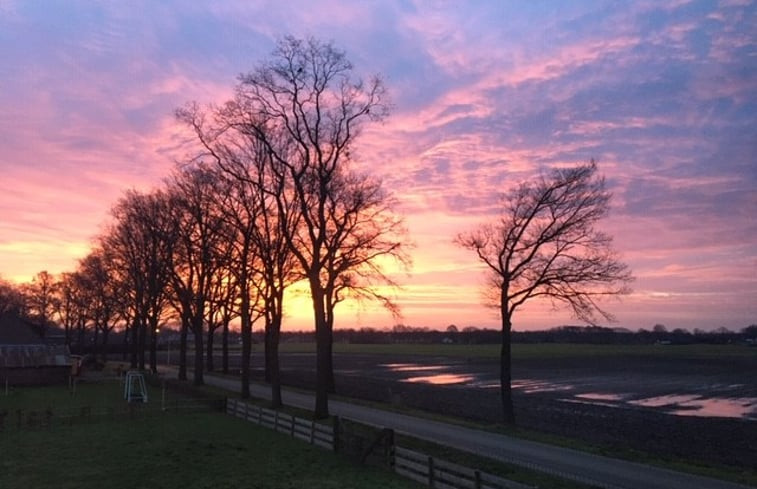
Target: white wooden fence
<point x="303" y="429"/>
<point x="441" y="474"/>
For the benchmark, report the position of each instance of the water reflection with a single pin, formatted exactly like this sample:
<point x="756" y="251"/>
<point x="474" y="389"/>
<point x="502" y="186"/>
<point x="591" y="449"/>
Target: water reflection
<point x="530" y="386"/>
<point x="599" y="396"/>
<point x="410" y="367"/>
<point x="695" y="405"/>
<point x="680" y="404"/>
<point x="441" y="379"/>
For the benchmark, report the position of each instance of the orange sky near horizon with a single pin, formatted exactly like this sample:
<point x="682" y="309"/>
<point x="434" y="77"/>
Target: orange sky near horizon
<point x="664" y="97"/>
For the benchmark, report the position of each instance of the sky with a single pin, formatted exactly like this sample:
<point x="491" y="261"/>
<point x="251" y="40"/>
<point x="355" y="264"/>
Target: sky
<point x="485" y="94"/>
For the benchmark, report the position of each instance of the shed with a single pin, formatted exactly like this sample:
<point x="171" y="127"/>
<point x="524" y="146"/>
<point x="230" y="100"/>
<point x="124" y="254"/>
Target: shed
<point x="27" y="359"/>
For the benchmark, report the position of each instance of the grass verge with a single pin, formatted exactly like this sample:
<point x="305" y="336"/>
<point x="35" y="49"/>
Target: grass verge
<point x="197" y="450"/>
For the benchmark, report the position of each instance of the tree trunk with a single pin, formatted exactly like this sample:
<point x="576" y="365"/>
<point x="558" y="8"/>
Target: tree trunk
<point x="225" y="346"/>
<point x="272" y="359"/>
<point x="331" y="385"/>
<point x="105" y="344"/>
<point x="267" y="350"/>
<point x="199" y="351"/>
<point x="209" y="361"/>
<point x="505" y="369"/>
<point x="246" y="342"/>
<point x="154" y="344"/>
<point x="134" y="343"/>
<point x="183" y="348"/>
<point x="125" y="352"/>
<point x="322" y="351"/>
<point x="142" y="343"/>
<point x="95" y="338"/>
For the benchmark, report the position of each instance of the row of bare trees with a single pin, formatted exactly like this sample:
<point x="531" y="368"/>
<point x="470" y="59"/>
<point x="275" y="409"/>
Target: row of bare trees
<point x="284" y="143"/>
<point x="86" y="304"/>
<point x="269" y="196"/>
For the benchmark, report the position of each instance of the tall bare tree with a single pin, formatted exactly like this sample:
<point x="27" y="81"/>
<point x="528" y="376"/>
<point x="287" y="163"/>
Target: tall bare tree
<point x="66" y="305"/>
<point x="11" y="298"/>
<point x="545" y="245"/>
<point x="40" y="300"/>
<point x="261" y="213"/>
<point x="306" y="106"/>
<point x="140" y="242"/>
<point x="196" y="256"/>
<point x="102" y="293"/>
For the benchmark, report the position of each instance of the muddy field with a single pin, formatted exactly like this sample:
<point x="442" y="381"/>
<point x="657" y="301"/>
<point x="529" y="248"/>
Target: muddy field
<point x="702" y="409"/>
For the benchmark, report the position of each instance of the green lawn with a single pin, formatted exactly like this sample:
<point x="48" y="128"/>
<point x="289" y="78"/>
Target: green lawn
<point x="168" y="450"/>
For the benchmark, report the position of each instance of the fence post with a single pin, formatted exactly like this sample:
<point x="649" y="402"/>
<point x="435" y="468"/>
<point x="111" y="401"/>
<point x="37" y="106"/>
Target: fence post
<point x="477" y="479"/>
<point x="336" y="433"/>
<point x="276" y="421"/>
<point x="431" y="472"/>
<point x="312" y="431"/>
<point x="389" y="448"/>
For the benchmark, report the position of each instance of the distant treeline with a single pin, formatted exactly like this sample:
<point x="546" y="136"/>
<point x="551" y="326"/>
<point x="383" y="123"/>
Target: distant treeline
<point x="562" y="334"/>
<point x="474" y="336"/>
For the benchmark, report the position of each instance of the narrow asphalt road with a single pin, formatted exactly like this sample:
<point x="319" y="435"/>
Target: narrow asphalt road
<point x="571" y="464"/>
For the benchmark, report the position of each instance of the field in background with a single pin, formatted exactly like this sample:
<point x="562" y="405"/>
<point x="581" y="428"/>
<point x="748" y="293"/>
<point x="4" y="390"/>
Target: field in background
<point x="523" y="351"/>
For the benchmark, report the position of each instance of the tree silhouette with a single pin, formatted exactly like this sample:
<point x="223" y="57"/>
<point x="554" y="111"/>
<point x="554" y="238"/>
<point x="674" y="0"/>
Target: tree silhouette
<point x="198" y="253"/>
<point x="40" y="300"/>
<point x="303" y="108"/>
<point x="140" y="241"/>
<point x="545" y="245"/>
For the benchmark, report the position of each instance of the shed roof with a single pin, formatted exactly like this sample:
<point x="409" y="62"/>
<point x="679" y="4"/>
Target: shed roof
<point x="21" y="347"/>
<point x="14" y="330"/>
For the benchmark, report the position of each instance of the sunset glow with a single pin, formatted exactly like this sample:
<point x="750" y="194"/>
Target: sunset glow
<point x="484" y="95"/>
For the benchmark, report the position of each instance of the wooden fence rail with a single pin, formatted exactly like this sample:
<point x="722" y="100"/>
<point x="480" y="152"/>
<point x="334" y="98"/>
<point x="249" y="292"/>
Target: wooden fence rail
<point x="303" y="429"/>
<point x="434" y="472"/>
<point x="437" y="473"/>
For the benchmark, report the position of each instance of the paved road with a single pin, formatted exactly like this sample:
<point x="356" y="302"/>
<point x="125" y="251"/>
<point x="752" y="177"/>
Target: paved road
<point x="571" y="464"/>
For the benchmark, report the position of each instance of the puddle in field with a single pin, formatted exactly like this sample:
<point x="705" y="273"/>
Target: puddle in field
<point x="598" y="396"/>
<point x="668" y="400"/>
<point x="678" y="404"/>
<point x="695" y="405"/>
<point x="410" y="367"/>
<point x="592" y="402"/>
<point x="530" y="386"/>
<point x="441" y="379"/>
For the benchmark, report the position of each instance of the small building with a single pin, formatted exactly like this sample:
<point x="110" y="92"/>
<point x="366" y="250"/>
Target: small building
<point x="27" y="359"/>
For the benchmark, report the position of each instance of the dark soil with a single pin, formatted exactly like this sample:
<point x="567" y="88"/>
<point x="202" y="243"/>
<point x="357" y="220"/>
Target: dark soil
<point x="705" y="440"/>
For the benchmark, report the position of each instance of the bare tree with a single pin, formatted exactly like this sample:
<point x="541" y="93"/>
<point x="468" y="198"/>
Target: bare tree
<point x="11" y="298"/>
<point x="306" y="107"/>
<point x="66" y="305"/>
<point x="101" y="292"/>
<point x="140" y="242"/>
<point x="261" y="214"/>
<point x="545" y="245"/>
<point x="40" y="300"/>
<point x="197" y="253"/>
<point x="221" y="308"/>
